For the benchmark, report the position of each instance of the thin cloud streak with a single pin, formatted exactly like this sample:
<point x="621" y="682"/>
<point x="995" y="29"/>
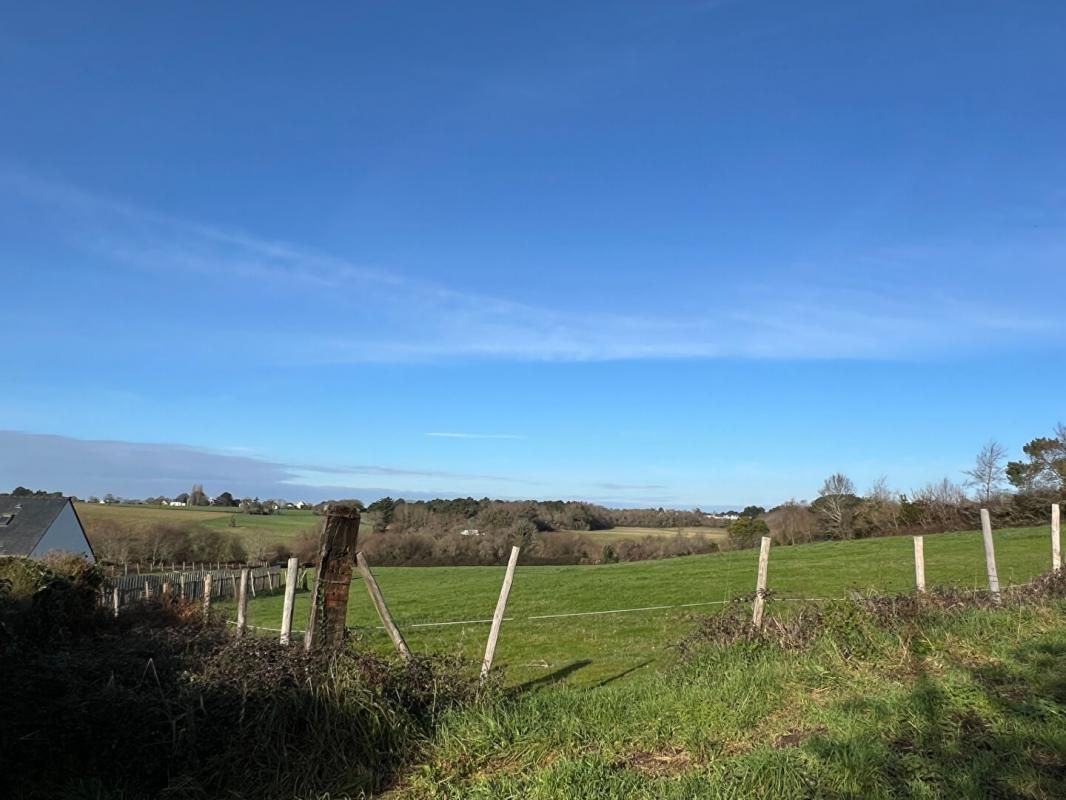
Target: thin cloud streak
<point x="403" y="320"/>
<point x="450" y="435"/>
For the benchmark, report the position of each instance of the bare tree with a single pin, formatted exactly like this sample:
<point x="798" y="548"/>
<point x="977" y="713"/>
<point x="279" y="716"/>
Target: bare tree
<point x="986" y="475"/>
<point x="836" y="500"/>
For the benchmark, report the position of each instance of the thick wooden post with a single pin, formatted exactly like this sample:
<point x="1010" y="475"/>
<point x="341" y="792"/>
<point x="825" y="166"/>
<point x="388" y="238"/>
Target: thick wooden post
<point x="1056" y="545"/>
<point x="147" y="590"/>
<point x="760" y="583"/>
<point x="114" y="601"/>
<point x="919" y="563"/>
<point x="333" y="578"/>
<point x="208" y="585"/>
<point x="383" y="611"/>
<point x="497" y="617"/>
<point x="990" y="554"/>
<point x="242" y="603"/>
<point x="290" y="600"/>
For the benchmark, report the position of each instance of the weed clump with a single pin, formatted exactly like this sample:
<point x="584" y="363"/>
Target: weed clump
<point x="162" y="702"/>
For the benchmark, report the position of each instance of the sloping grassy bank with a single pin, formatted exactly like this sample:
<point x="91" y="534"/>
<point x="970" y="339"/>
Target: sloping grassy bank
<point x="956" y="703"/>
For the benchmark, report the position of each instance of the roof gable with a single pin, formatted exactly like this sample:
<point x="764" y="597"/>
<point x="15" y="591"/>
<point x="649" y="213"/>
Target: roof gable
<point x="25" y="520"/>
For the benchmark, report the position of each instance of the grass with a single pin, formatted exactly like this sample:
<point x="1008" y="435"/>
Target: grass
<point x="285" y="527"/>
<point x="592" y="650"/>
<point x="963" y="705"/>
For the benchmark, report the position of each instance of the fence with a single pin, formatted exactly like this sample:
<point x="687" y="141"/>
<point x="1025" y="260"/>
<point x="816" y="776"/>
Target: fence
<point x="189" y="585"/>
<point x="339" y="540"/>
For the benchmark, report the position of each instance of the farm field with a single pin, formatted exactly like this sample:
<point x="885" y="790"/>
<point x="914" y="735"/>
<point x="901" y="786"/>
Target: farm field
<point x="622" y="533"/>
<point x="585" y="649"/>
<point x="285" y="527"/>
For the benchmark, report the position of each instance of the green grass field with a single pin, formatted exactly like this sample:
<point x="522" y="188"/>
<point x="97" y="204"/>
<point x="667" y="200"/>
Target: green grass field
<point x="589" y="650"/>
<point x="967" y="704"/>
<point x="285" y="527"/>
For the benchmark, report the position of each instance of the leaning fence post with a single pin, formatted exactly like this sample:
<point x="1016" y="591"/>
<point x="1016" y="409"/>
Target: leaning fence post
<point x="290" y="600"/>
<point x="1056" y="547"/>
<point x="333" y="578"/>
<point x="990" y="554"/>
<point x="379" y="603"/>
<point x="242" y="603"/>
<point x="114" y="601"/>
<point x="207" y="594"/>
<point x="497" y="617"/>
<point x="919" y="563"/>
<point x="760" y="583"/>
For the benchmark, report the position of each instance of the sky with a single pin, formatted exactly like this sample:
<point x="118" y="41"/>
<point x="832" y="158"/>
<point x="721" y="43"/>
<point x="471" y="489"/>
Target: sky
<point x="638" y="253"/>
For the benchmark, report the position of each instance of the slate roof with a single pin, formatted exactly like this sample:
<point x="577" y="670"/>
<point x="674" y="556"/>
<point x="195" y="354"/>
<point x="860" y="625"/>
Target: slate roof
<point x="24" y="521"/>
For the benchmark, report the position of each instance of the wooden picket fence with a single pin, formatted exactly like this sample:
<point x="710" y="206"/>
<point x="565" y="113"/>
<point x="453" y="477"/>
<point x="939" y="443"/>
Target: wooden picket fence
<point x="188" y="585"/>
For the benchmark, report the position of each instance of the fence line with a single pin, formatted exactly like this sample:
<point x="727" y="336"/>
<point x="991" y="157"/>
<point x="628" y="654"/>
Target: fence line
<point x="188" y="585"/>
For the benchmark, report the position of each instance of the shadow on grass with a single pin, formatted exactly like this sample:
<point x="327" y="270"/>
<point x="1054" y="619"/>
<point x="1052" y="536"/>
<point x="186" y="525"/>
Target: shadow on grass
<point x="623" y="673"/>
<point x="551" y="678"/>
<point x="1001" y="735"/>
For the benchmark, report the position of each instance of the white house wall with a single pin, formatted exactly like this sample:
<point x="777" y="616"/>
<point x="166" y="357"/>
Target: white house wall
<point x="64" y="534"/>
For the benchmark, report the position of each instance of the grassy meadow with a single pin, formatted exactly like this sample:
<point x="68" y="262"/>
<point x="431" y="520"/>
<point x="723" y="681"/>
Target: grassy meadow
<point x="967" y="703"/>
<point x="593" y="649"/>
<point x="285" y="527"/>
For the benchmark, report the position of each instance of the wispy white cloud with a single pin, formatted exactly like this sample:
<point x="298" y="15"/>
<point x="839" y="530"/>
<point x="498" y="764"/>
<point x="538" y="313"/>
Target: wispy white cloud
<point x="401" y="319"/>
<point x="452" y="435"/>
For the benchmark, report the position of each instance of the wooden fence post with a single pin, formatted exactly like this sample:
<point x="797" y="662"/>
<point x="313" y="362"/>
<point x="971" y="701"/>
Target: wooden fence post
<point x="760" y="584"/>
<point x="208" y="585"/>
<point x="333" y="578"/>
<point x="290" y="600"/>
<point x="114" y="601"/>
<point x="919" y="563"/>
<point x="147" y="590"/>
<point x="383" y="611"/>
<point x="990" y="554"/>
<point x="497" y="617"/>
<point x="1056" y="546"/>
<point x="242" y="603"/>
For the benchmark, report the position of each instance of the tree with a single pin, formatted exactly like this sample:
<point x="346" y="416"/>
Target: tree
<point x="744" y="531"/>
<point x="835" y="504"/>
<point x="197" y="497"/>
<point x="1045" y="469"/>
<point x="224" y="499"/>
<point x="753" y="511"/>
<point x="986" y="475"/>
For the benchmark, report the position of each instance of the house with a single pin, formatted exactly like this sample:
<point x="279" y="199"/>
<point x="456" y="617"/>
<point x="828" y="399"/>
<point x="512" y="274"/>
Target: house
<point x="32" y="526"/>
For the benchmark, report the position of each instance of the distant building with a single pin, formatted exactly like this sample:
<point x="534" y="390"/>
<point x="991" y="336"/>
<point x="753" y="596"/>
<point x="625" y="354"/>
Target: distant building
<point x="32" y="526"/>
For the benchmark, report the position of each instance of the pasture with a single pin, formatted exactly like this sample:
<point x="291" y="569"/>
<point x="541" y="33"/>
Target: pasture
<point x="258" y="529"/>
<point x="555" y="632"/>
<point x="622" y="533"/>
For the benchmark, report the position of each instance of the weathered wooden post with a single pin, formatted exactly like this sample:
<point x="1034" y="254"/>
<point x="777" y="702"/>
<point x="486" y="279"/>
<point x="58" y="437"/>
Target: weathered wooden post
<point x="114" y="601"/>
<point x="919" y="563"/>
<point x="147" y="590"/>
<point x="990" y="554"/>
<point x="290" y="600"/>
<point x="760" y="583"/>
<point x="383" y="611"/>
<point x="242" y="603"/>
<point x="333" y="578"/>
<point x="164" y="590"/>
<point x="208" y="581"/>
<point x="497" y="617"/>
<point x="1056" y="546"/>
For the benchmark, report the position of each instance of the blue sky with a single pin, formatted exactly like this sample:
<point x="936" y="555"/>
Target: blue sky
<point x="640" y="253"/>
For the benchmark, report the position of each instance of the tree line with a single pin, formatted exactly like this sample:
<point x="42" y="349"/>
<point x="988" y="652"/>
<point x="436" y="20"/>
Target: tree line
<point x="1016" y="493"/>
